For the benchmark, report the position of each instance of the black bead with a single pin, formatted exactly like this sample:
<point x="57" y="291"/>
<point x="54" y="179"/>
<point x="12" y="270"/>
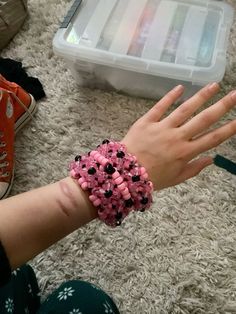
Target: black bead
<point x="77" y="158"/>
<point x="144" y="200"/>
<point x="108" y="193"/>
<point x="109" y="169"/>
<point x="92" y="171"/>
<point x="118" y="223"/>
<point x="135" y="178"/>
<point x="142" y="210"/>
<point x="106" y="142"/>
<point x="129" y="203"/>
<point x="88" y="153"/>
<point x="120" y="154"/>
<point x="119" y="216"/>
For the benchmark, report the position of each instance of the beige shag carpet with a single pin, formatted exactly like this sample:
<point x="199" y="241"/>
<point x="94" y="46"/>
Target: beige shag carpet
<point x="178" y="258"/>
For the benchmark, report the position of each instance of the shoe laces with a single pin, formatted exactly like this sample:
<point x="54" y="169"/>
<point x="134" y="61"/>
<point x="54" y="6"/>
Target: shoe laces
<point x="3" y="155"/>
<point x="17" y="99"/>
<point x="3" y="162"/>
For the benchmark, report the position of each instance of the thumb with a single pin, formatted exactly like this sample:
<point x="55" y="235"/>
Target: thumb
<point x="194" y="168"/>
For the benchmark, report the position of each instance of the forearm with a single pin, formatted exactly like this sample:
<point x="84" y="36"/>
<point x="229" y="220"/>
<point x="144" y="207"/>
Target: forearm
<point x="33" y="221"/>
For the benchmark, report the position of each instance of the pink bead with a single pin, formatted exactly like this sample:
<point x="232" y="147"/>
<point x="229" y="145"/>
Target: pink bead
<point x="115" y="175"/>
<point x="125" y="191"/>
<point x="142" y="170"/>
<point x="96" y="156"/>
<point x="93" y="153"/>
<point x="122" y="186"/>
<point x="127" y="163"/>
<point x="73" y="173"/>
<point x="104" y="161"/>
<point x="127" y="196"/>
<point x="84" y="186"/>
<point x="118" y="180"/>
<point x="151" y="185"/>
<point x="102" y="215"/>
<point x="100" y="180"/>
<point x="92" y="198"/>
<point x="100" y="159"/>
<point x="145" y="176"/>
<point x="97" y="202"/>
<point x="81" y="180"/>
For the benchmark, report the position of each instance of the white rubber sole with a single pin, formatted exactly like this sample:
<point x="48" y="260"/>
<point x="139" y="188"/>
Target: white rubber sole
<point x="9" y="186"/>
<point x="32" y="109"/>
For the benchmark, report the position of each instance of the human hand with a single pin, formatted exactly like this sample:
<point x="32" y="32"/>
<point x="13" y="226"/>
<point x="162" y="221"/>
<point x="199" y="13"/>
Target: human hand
<point x="167" y="147"/>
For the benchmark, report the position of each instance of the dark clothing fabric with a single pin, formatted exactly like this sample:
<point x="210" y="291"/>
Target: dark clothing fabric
<point x="21" y="295"/>
<point x="14" y="72"/>
<point x="5" y="268"/>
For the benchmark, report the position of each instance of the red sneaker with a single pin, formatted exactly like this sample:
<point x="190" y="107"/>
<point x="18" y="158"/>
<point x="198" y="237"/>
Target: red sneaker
<point x="16" y="109"/>
<point x="23" y="103"/>
<point x="7" y="122"/>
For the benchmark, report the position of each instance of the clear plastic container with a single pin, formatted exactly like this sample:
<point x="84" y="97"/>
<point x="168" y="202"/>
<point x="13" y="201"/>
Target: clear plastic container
<point x="145" y="47"/>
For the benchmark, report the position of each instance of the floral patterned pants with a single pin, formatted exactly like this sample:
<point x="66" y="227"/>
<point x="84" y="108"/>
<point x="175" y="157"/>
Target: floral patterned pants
<point x="21" y="295"/>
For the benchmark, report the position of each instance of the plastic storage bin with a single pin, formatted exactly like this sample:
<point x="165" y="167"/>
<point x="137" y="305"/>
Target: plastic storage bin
<point x="145" y="47"/>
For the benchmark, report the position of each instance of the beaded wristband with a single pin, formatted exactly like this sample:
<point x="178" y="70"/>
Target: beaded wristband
<point x="117" y="184"/>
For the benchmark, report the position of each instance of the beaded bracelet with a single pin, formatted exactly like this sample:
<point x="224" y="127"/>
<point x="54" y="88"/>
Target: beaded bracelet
<point x="117" y="184"/>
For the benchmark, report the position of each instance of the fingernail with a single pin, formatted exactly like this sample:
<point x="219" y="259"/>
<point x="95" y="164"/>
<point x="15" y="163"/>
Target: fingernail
<point x="179" y="88"/>
<point x="233" y="95"/>
<point x="213" y="86"/>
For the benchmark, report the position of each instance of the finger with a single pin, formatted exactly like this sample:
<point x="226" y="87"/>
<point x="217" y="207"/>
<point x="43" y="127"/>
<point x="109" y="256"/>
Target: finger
<point x="194" y="168"/>
<point x="189" y="107"/>
<point x="156" y="113"/>
<point x="213" y="138"/>
<point x="208" y="117"/>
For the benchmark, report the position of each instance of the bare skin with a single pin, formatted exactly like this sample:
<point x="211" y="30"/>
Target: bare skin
<point x="166" y="147"/>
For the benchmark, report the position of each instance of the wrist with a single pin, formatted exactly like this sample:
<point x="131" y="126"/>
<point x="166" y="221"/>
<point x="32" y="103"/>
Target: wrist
<point x="116" y="183"/>
<point x="76" y="202"/>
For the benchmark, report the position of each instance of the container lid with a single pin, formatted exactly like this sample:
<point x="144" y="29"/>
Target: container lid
<point x="180" y="39"/>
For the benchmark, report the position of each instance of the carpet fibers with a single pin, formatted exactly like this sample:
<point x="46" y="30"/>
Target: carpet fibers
<point x="178" y="258"/>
